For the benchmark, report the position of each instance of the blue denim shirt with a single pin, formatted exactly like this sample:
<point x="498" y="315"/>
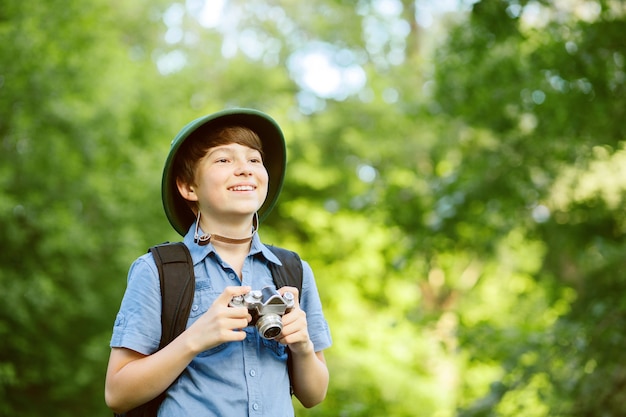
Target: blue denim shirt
<point x="247" y="378"/>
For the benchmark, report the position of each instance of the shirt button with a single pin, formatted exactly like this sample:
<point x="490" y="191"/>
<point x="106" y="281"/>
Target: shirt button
<point x="195" y="307"/>
<point x="253" y="373"/>
<point x="255" y="406"/>
<point x="231" y="276"/>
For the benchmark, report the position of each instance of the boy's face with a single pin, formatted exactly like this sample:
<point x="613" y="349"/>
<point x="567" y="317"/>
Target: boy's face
<point x="230" y="180"/>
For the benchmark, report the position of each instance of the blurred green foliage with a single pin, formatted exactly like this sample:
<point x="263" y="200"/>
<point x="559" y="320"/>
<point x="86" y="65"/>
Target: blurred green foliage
<point x="459" y="191"/>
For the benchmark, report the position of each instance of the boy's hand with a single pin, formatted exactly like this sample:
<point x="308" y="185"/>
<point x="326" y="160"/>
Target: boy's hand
<point x="221" y="323"/>
<point x="295" y="332"/>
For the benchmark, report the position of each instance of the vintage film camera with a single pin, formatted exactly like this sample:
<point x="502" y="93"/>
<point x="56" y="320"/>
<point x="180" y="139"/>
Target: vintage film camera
<point x="266" y="307"/>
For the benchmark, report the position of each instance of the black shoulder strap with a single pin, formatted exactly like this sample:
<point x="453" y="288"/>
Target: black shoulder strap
<point x="290" y="274"/>
<point x="177" y="288"/>
<point x="178" y="283"/>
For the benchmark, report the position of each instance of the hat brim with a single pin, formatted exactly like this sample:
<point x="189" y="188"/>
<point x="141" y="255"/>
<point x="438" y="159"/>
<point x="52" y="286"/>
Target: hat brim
<point x="177" y="210"/>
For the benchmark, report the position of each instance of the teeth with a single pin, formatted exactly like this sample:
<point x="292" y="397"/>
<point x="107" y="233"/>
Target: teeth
<point x="243" y="188"/>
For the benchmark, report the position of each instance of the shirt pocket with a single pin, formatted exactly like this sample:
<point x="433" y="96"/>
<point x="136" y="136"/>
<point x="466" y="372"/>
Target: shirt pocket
<point x="213" y="350"/>
<point x="278" y="350"/>
<point x="203" y="298"/>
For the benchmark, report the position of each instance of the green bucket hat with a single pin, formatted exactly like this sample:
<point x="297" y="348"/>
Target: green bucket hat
<point x="176" y="208"/>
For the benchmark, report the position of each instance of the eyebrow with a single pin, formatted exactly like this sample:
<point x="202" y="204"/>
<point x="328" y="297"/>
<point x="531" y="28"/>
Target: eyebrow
<point x="228" y="149"/>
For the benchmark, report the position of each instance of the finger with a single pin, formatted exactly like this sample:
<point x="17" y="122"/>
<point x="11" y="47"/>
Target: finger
<point x="234" y="335"/>
<point x="287" y="338"/>
<point x="294" y="322"/>
<point x="238" y="313"/>
<point x="291" y="317"/>
<point x="230" y="292"/>
<point x="237" y="324"/>
<point x="292" y="290"/>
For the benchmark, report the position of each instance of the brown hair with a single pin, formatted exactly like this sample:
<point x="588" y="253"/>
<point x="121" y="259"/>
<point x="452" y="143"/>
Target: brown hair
<point x="205" y="138"/>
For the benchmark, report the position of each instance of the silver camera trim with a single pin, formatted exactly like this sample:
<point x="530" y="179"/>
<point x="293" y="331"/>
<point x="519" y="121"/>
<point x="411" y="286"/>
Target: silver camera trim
<point x="268" y="306"/>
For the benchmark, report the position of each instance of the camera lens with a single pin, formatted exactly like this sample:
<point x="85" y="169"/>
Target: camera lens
<point x="270" y="326"/>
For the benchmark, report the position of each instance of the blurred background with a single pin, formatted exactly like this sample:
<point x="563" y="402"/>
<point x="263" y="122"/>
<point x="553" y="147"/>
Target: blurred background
<point x="456" y="178"/>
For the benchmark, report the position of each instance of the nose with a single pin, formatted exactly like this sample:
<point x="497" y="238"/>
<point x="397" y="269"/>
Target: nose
<point x="243" y="168"/>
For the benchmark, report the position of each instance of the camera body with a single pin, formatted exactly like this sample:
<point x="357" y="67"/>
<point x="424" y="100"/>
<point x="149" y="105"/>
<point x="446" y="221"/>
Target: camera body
<point x="266" y="307"/>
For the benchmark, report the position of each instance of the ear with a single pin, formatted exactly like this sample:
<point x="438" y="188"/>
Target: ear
<point x="187" y="191"/>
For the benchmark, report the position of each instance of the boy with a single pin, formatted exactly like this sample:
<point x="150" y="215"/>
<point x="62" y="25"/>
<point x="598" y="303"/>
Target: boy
<point x="224" y="172"/>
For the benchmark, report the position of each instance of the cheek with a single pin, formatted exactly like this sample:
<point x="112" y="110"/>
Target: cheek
<point x="263" y="182"/>
<point x="265" y="186"/>
<point x="264" y="176"/>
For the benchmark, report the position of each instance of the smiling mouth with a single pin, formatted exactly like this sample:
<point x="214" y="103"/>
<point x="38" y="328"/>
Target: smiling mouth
<point x="242" y="188"/>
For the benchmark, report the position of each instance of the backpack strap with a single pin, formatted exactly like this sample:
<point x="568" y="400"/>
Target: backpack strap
<point x="290" y="274"/>
<point x="177" y="281"/>
<point x="177" y="288"/>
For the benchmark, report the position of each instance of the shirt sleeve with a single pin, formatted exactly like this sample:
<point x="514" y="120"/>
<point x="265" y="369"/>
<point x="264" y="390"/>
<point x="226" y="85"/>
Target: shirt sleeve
<point x="138" y="322"/>
<point x="319" y="331"/>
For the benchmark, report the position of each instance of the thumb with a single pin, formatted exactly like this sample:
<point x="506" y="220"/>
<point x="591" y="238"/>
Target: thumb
<point x="293" y="291"/>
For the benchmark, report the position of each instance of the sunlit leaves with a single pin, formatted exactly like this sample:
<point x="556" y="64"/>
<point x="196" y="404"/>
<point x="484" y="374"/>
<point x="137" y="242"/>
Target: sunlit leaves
<point x="551" y="100"/>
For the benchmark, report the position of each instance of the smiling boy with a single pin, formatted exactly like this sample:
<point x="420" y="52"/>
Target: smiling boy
<point x="222" y="176"/>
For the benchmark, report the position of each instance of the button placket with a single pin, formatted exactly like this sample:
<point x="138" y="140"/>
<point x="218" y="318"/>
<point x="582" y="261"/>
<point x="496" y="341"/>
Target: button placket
<point x="252" y="365"/>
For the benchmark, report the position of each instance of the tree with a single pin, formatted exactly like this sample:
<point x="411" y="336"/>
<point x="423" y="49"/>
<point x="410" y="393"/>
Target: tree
<point x="75" y="149"/>
<point x="541" y="109"/>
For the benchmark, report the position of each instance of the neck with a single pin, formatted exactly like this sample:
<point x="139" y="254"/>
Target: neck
<point x="226" y="234"/>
